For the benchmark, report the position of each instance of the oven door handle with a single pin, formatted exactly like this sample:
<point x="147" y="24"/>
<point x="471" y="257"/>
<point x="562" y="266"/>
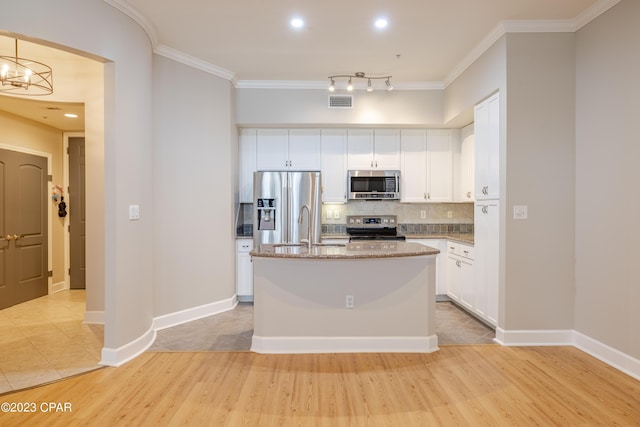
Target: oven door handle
<point x="397" y="183"/>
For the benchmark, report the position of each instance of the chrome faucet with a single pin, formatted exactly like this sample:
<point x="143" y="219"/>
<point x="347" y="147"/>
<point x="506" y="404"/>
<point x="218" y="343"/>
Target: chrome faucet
<point x="308" y="241"/>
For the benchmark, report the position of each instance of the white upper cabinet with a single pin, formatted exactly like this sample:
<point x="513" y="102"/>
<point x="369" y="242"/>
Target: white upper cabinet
<point x="282" y="149"/>
<point x="386" y="154"/>
<point x="464" y="166"/>
<point x="373" y="149"/>
<point x="413" y="162"/>
<point x="304" y="149"/>
<point x="426" y="165"/>
<point x="247" y="159"/>
<point x="487" y="148"/>
<point x="333" y="148"/>
<point x="440" y="165"/>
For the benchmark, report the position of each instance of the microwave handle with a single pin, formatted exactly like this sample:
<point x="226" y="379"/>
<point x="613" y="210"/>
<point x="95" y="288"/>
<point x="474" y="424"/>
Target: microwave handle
<point x="397" y="183"/>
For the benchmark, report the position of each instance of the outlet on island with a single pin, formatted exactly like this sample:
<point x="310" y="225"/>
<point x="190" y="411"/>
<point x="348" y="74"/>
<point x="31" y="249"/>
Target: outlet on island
<point x="423" y="214"/>
<point x="349" y="301"/>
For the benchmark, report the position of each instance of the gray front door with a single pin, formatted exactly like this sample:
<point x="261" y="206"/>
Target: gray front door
<point x="23" y="227"/>
<point x="77" y="217"/>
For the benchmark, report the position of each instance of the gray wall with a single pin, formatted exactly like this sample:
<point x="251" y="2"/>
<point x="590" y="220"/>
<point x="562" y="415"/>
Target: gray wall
<point x="194" y="253"/>
<point x="607" y="176"/>
<point x="538" y="252"/>
<point x="290" y="107"/>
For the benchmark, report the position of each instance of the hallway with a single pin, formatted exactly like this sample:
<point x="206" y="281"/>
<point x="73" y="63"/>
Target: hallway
<point x="44" y="340"/>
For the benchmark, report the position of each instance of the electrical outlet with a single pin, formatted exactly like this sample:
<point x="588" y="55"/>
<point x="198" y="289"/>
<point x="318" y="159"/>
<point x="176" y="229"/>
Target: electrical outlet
<point x="329" y="214"/>
<point x="423" y="214"/>
<point x="349" y="301"/>
<point x="520" y="212"/>
<point x="449" y="214"/>
<point x="336" y="214"/>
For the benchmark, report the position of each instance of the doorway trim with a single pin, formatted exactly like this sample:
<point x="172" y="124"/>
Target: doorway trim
<point x="51" y="287"/>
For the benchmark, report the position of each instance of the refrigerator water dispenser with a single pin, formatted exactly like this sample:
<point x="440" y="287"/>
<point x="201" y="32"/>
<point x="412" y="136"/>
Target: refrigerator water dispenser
<point x="266" y="214"/>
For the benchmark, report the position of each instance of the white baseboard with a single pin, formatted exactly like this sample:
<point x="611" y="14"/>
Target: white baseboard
<point x="94" y="317"/>
<point x="534" y="337"/>
<point x="609" y="355"/>
<point x="121" y="355"/>
<point x="281" y="345"/>
<point x="195" y="313"/>
<point x="57" y="287"/>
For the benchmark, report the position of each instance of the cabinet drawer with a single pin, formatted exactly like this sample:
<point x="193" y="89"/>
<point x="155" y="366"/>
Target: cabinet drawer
<point x="460" y="249"/>
<point x="244" y="245"/>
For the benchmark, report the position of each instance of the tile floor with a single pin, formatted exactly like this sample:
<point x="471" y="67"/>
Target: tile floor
<point x="44" y="340"/>
<point x="232" y="330"/>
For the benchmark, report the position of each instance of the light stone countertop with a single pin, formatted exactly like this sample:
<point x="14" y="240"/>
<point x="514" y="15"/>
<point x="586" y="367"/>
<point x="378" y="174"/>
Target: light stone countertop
<point x="353" y="250"/>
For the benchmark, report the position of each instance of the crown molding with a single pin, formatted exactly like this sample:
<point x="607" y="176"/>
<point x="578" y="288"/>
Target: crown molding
<point x="539" y="26"/>
<point x="532" y="26"/>
<point x="133" y="13"/>
<point x="192" y="61"/>
<point x="597" y="9"/>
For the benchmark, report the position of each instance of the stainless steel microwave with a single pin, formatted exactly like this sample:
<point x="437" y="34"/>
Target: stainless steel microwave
<point x="373" y="184"/>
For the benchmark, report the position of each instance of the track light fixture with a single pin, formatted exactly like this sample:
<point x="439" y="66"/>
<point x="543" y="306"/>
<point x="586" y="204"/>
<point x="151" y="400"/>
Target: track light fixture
<point x="358" y="75"/>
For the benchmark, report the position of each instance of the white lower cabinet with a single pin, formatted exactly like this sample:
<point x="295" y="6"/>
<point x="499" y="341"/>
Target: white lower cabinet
<point x="459" y="265"/>
<point x="244" y="270"/>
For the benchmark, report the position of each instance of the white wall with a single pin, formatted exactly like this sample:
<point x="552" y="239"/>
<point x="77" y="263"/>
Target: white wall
<point x="607" y="177"/>
<point x="290" y="107"/>
<point x="125" y="246"/>
<point x="193" y="192"/>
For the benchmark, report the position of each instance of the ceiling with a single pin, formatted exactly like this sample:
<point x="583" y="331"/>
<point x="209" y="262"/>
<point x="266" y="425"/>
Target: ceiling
<point x="251" y="40"/>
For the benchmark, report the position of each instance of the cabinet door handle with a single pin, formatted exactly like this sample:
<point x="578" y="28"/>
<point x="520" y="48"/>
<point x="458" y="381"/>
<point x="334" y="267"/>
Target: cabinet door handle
<point x="425" y="196"/>
<point x="468" y="194"/>
<point x="458" y="264"/>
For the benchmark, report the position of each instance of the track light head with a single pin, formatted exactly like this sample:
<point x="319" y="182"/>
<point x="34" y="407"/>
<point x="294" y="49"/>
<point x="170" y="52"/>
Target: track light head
<point x="349" y="85"/>
<point x="388" y="83"/>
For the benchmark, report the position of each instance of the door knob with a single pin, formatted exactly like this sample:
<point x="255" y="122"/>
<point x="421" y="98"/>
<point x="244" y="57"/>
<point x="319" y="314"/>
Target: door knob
<point x="16" y="237"/>
<point x="8" y="237"/>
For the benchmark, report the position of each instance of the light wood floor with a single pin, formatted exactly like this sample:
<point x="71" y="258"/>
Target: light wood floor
<point x="480" y="385"/>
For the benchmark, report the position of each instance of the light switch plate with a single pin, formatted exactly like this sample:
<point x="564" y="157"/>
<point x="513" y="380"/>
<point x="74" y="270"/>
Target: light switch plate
<point x="134" y="212"/>
<point x="520" y="212"/>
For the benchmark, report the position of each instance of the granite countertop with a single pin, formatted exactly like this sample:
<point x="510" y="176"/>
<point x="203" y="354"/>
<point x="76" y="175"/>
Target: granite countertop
<point x="458" y="237"/>
<point x="354" y="250"/>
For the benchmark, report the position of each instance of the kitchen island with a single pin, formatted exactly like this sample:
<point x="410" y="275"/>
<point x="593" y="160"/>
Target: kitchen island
<point x="357" y="297"/>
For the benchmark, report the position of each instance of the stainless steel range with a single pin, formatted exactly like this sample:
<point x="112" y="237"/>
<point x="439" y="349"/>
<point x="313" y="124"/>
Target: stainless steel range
<point x="369" y="227"/>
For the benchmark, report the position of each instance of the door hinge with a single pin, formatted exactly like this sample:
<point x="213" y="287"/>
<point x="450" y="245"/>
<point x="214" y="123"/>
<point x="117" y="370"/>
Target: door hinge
<point x="50" y="178"/>
<point x="50" y="273"/>
<point x="69" y="272"/>
<point x="68" y="228"/>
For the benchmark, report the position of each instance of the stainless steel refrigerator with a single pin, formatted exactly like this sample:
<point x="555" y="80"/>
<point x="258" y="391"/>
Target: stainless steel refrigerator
<point x="278" y="201"/>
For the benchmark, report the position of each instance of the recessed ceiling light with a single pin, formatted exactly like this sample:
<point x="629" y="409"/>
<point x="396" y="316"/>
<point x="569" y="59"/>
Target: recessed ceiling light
<point x="71" y="115"/>
<point x="381" y="23"/>
<point x="297" y="23"/>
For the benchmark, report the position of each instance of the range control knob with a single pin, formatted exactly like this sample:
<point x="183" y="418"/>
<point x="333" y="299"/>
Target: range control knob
<point x="392" y="221"/>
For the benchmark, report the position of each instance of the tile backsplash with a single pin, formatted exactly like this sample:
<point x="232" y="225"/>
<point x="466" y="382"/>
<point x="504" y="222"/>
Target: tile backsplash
<point x="438" y="217"/>
<point x="407" y="213"/>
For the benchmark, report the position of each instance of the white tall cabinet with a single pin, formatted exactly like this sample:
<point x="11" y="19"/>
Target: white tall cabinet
<point x="464" y="166"/>
<point x="487" y="209"/>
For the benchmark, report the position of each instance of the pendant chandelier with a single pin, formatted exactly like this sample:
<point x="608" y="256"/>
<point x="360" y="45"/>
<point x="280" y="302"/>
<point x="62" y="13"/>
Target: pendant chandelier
<point x="21" y="76"/>
<point x="359" y="75"/>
